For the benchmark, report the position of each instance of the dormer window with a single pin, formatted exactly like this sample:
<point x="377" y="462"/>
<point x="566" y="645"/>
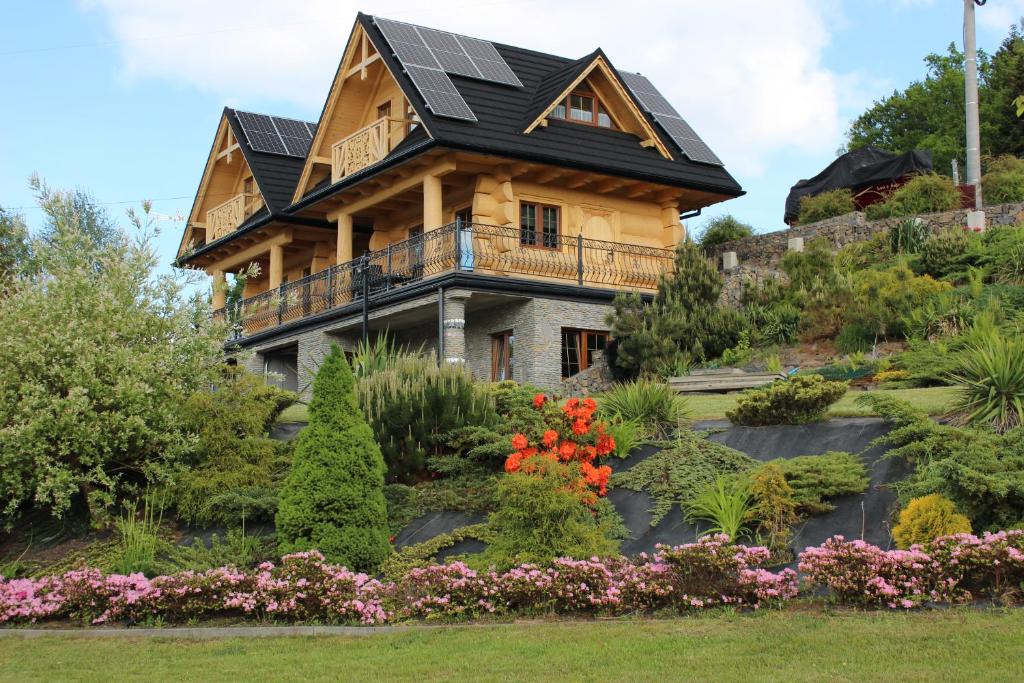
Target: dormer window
<point x="583" y="107"/>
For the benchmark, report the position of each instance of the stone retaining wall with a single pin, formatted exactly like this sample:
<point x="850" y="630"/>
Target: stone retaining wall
<point x="767" y="249"/>
<point x="595" y="379"/>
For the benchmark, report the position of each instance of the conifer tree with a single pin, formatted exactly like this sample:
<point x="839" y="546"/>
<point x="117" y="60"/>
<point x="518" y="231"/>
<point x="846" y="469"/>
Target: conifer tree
<point x="333" y="498"/>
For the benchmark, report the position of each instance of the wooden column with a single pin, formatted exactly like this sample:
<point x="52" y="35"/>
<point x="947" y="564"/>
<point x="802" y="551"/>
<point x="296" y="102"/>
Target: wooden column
<point x="344" y="238"/>
<point x="219" y="289"/>
<point x="672" y="230"/>
<point x="433" y="216"/>
<point x="276" y="266"/>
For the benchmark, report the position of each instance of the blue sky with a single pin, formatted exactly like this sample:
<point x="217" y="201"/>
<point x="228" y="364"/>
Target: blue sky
<point x="122" y="97"/>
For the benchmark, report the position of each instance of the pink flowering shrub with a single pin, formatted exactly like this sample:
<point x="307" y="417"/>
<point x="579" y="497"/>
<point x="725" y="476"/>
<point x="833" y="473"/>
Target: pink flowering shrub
<point x="950" y="569"/>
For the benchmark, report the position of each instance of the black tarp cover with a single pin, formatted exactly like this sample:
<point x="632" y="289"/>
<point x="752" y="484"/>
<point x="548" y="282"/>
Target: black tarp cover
<point x="858" y="170"/>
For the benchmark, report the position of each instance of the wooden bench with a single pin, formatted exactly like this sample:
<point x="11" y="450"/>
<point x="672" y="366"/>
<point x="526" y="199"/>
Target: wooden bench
<point x="724" y="379"/>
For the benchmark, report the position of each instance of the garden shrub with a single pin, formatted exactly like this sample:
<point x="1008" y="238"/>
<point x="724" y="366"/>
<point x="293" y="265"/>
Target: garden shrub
<point x="1004" y="181"/>
<point x="424" y="554"/>
<point x="653" y="405"/>
<point x="980" y="471"/>
<point x="333" y="498"/>
<point x="627" y="435"/>
<point x="235" y="470"/>
<point x="778" y="324"/>
<point x="540" y="516"/>
<point x="924" y="193"/>
<point x="414" y="403"/>
<point x="991" y="382"/>
<point x="723" y="229"/>
<point x="883" y="298"/>
<point x="773" y="507"/>
<point x="678" y="474"/>
<point x="908" y="236"/>
<point x="724" y="506"/>
<point x="99" y="355"/>
<point x="810" y="269"/>
<point x="948" y="253"/>
<point x="855" y="338"/>
<point x="683" y="324"/>
<point x="927" y="518"/>
<point x="798" y="400"/>
<point x="825" y="205"/>
<point x="814" y="479"/>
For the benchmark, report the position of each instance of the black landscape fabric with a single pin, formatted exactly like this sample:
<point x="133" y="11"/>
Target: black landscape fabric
<point x="856" y="171"/>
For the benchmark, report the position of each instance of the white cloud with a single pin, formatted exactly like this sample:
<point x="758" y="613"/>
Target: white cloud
<point x="999" y="15"/>
<point x="747" y="74"/>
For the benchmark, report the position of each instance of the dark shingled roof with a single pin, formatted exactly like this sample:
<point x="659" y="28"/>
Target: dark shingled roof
<point x="275" y="174"/>
<point x="503" y="112"/>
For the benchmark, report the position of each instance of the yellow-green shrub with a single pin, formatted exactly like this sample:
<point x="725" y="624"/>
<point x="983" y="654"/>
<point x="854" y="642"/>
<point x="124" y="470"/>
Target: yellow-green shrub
<point x="926" y="518"/>
<point x="798" y="400"/>
<point x="925" y="193"/>
<point x="826" y="205"/>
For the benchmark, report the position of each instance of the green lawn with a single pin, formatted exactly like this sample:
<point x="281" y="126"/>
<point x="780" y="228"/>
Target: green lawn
<point x="933" y="400"/>
<point x="956" y="645"/>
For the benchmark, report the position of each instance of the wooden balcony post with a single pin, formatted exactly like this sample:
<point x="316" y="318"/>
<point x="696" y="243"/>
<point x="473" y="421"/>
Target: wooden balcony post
<point x="219" y="289"/>
<point x="276" y="266"/>
<point x="344" y="238"/>
<point x="433" y="216"/>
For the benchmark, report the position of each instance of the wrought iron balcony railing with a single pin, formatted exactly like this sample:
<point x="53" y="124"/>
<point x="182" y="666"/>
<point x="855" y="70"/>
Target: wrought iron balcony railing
<point x="457" y="247"/>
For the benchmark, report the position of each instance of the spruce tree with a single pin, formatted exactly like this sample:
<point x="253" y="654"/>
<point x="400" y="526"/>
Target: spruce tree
<point x="333" y="498"/>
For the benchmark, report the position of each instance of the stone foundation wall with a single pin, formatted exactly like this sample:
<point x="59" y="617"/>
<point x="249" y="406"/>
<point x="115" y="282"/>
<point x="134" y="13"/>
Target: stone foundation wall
<point x="767" y="249"/>
<point x="596" y="378"/>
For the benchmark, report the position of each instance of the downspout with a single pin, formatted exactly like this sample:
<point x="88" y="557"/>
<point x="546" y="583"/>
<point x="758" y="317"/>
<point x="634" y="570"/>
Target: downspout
<point x="440" y="325"/>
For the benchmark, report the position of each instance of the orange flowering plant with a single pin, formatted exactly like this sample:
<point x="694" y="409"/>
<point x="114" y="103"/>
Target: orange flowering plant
<point x="573" y="439"/>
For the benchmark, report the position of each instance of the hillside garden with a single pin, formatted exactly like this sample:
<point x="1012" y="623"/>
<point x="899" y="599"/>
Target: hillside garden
<point x="142" y="486"/>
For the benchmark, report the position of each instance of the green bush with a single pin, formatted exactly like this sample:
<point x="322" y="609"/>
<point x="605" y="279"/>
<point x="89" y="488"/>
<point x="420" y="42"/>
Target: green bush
<point x="925" y="193"/>
<point x="907" y="237"/>
<point x="855" y="338"/>
<point x="826" y="205"/>
<point x="683" y="324"/>
<point x="775" y="325"/>
<point x="816" y="478"/>
<point x="1004" y="181"/>
<point x="413" y="404"/>
<point x="883" y="298"/>
<point x="980" y="471"/>
<point x="678" y="474"/>
<point x="724" y="506"/>
<point x="653" y="405"/>
<point x="991" y="382"/>
<point x="235" y="471"/>
<point x="773" y="507"/>
<point x="627" y="435"/>
<point x="425" y="554"/>
<point x="723" y="229"/>
<point x="948" y="253"/>
<point x="926" y="518"/>
<point x="814" y="268"/>
<point x="798" y="400"/>
<point x="333" y="498"/>
<point x="539" y="519"/>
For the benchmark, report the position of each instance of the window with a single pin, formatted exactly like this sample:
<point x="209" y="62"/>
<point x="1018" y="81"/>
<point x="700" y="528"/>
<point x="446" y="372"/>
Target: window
<point x="384" y="110"/>
<point x="248" y="187"/>
<point x="501" y="355"/>
<point x="464" y="216"/>
<point x="583" y="107"/>
<point x="538" y="225"/>
<point x="578" y="347"/>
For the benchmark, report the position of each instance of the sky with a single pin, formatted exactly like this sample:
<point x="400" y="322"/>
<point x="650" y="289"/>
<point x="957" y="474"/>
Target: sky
<point x="122" y="97"/>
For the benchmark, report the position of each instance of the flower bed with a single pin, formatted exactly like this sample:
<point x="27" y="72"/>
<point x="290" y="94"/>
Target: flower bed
<point x="708" y="573"/>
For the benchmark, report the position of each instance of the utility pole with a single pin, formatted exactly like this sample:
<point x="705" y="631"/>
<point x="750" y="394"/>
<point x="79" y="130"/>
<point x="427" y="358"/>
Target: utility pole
<point x="971" y="96"/>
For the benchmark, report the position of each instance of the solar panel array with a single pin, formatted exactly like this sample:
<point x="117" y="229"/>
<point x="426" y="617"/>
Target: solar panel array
<point x="275" y="134"/>
<point x="429" y="55"/>
<point x="668" y="118"/>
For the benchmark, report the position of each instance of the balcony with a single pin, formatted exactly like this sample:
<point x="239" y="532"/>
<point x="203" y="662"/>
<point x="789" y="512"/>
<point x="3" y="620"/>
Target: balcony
<point x="225" y="218"/>
<point x="366" y="146"/>
<point x="486" y="250"/>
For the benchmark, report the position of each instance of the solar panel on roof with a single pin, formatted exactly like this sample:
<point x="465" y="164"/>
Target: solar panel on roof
<point x="689" y="143"/>
<point x="452" y="53"/>
<point x="275" y="134"/>
<point x="439" y="92"/>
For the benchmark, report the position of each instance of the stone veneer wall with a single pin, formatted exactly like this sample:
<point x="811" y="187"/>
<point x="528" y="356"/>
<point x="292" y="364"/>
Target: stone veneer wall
<point x="598" y="377"/>
<point x="767" y="249"/>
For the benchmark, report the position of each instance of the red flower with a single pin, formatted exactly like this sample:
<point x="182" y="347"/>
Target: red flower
<point x="550" y="437"/>
<point x="605" y="445"/>
<point x="519" y="442"/>
<point x="567" y="450"/>
<point x="538" y="400"/>
<point x="580" y="427"/>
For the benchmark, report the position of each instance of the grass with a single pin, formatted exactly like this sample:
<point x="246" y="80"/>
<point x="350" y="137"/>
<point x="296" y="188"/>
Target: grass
<point x="952" y="645"/>
<point x="933" y="400"/>
<point x="297" y="412"/>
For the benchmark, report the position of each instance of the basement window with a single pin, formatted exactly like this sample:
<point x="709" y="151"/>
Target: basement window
<point x="583" y="107"/>
<point x="578" y="347"/>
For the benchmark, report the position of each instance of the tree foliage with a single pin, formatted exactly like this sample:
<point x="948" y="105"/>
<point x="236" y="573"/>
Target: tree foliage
<point x="97" y="357"/>
<point x="928" y="114"/>
<point x="723" y="229"/>
<point x="684" y="323"/>
<point x="15" y="248"/>
<point x="333" y="499"/>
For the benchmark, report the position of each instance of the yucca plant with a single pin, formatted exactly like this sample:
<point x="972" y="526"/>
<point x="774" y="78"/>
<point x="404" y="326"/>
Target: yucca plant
<point x="725" y="505"/>
<point x="374" y="356"/>
<point x="991" y="383"/>
<point x="653" y="405"/>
